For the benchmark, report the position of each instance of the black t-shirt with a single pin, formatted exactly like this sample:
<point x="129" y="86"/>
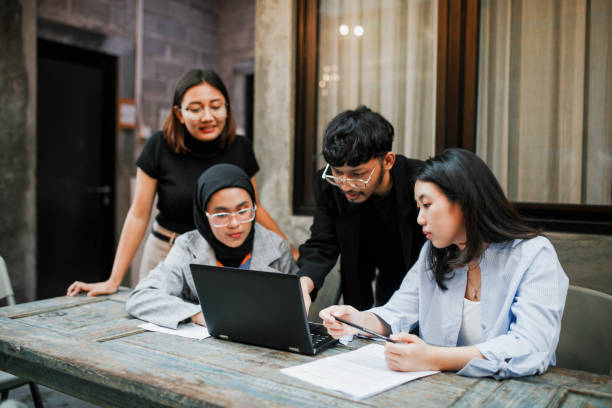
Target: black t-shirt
<point x="177" y="173"/>
<point x="380" y="240"/>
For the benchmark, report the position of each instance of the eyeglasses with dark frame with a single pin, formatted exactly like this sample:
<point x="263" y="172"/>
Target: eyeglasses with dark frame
<point x="223" y="219"/>
<point x="339" y="181"/>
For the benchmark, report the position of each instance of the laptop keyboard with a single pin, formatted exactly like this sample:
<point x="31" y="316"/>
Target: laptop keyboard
<point x="318" y="339"/>
<point x="318" y="335"/>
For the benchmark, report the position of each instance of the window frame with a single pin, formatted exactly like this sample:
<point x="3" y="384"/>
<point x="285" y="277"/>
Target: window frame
<point x="305" y="157"/>
<point x="456" y="111"/>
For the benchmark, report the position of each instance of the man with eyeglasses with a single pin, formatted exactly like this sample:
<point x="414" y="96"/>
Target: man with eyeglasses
<point x="365" y="212"/>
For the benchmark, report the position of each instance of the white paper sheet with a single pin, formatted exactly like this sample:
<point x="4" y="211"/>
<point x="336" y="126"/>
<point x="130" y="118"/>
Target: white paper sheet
<point x="346" y="339"/>
<point x="359" y="374"/>
<point x="191" y="330"/>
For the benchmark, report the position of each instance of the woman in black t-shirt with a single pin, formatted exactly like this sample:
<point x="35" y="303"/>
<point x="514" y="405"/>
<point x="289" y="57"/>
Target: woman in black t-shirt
<point x="198" y="133"/>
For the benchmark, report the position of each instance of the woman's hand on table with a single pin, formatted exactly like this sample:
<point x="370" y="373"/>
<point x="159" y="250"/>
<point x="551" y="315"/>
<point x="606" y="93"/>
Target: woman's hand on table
<point x="93" y="289"/>
<point x="198" y="319"/>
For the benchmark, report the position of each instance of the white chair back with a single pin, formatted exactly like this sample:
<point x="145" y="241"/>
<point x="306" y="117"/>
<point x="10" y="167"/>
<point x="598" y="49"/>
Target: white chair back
<point x="6" y="289"/>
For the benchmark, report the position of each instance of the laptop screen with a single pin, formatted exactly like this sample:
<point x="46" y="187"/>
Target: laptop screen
<point x="255" y="307"/>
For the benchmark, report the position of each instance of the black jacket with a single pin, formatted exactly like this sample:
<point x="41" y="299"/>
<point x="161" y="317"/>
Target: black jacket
<point x="335" y="231"/>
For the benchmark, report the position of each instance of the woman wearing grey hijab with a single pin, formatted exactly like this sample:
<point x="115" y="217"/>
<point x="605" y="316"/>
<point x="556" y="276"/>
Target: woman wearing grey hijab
<point x="225" y="235"/>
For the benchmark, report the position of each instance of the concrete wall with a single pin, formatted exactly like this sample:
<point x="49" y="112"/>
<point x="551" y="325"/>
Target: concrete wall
<point x="18" y="143"/>
<point x="274" y="113"/>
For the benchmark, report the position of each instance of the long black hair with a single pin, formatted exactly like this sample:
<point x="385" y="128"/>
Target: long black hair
<point x="488" y="216"/>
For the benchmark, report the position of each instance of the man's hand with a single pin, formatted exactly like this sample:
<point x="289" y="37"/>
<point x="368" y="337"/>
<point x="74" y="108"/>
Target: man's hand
<point x="307" y="287"/>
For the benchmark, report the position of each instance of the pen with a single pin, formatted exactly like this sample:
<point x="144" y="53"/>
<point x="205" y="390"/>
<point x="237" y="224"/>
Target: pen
<point x="363" y="329"/>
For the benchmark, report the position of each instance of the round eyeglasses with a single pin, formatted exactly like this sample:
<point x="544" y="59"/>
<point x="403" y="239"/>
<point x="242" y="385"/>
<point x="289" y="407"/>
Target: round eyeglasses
<point x="223" y="219"/>
<point x="199" y="111"/>
<point x="339" y="181"/>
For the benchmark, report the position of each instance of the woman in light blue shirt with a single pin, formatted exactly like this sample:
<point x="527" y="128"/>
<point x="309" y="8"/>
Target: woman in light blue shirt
<point x="487" y="291"/>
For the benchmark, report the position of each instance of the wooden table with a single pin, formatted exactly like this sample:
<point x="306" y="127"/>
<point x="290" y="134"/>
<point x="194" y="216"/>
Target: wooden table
<point x="90" y="348"/>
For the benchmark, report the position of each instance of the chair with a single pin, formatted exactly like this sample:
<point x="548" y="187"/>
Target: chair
<point x="12" y="404"/>
<point x="9" y="381"/>
<point x="328" y="295"/>
<point x="586" y="331"/>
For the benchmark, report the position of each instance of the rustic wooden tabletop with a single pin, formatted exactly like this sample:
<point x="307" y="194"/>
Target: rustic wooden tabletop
<point x="90" y="348"/>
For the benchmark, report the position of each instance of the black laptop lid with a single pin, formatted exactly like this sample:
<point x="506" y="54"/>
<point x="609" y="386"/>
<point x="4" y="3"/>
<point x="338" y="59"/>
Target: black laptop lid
<point x="255" y="307"/>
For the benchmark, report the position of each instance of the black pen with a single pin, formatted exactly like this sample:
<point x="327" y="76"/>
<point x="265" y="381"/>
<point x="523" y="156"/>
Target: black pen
<point x="363" y="329"/>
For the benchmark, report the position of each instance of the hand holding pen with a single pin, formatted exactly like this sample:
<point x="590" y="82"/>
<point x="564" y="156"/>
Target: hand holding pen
<point x="351" y="322"/>
<point x="363" y="329"/>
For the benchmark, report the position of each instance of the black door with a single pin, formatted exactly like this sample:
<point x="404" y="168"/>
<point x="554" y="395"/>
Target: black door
<point x="75" y="166"/>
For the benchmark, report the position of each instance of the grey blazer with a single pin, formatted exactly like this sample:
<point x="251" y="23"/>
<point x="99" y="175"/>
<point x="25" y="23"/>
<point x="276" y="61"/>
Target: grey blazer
<point x="167" y="295"/>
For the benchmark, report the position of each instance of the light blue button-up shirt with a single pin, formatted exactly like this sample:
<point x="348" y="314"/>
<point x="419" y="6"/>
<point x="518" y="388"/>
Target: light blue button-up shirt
<point x="522" y="298"/>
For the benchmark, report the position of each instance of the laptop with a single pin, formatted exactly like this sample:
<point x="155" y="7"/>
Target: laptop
<point x="259" y="308"/>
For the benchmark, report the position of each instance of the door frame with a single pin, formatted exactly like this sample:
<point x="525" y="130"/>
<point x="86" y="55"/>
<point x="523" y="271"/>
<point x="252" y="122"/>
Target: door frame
<point x="107" y="148"/>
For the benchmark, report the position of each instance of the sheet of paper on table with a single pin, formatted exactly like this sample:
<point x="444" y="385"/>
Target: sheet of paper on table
<point x="359" y="374"/>
<point x="191" y="330"/>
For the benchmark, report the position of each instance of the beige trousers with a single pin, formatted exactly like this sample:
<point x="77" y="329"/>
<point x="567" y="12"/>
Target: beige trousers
<point x="154" y="251"/>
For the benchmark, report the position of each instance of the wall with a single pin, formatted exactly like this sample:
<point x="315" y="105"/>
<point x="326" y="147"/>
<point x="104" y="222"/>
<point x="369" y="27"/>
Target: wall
<point x="18" y="143"/>
<point x="177" y="36"/>
<point x="237" y="39"/>
<point x="274" y="113"/>
<point x="113" y="17"/>
<point x="236" y="36"/>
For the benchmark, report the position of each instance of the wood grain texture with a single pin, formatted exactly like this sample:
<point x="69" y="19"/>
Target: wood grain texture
<point x="90" y="348"/>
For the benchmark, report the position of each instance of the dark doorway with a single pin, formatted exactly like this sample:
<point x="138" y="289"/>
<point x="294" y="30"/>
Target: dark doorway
<point x="249" y="95"/>
<point x="75" y="166"/>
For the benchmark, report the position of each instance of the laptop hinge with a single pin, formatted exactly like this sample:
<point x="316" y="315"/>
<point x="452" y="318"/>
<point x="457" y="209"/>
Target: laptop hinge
<point x="297" y="350"/>
<point x="224" y="337"/>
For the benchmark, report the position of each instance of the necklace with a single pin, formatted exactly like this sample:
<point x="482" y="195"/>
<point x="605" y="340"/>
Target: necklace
<point x="473" y="290"/>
